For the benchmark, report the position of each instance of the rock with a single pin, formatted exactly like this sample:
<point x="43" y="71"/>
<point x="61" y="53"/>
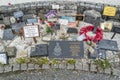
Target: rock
<point x="16" y="67"/>
<point x="23" y="66"/>
<point x="36" y="66"/>
<point x="45" y="66"/>
<point x="93" y="68"/>
<point x="85" y="67"/>
<point x="7" y="68"/>
<point x="78" y="65"/>
<point x="108" y="71"/>
<point x="30" y="66"/>
<point x="55" y="66"/>
<point x="1" y="69"/>
<point x="62" y="66"/>
<point x="70" y="66"/>
<point x="116" y="72"/>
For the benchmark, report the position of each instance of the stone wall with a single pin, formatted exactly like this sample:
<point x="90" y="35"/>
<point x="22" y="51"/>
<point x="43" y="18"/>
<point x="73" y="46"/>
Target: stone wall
<point x="79" y="65"/>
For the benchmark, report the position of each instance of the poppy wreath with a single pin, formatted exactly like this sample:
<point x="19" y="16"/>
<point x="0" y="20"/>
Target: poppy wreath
<point x="98" y="35"/>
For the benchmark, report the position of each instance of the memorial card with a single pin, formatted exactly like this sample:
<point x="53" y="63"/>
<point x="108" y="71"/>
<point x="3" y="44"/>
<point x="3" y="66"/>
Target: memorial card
<point x="63" y="21"/>
<point x="3" y="58"/>
<point x="31" y="31"/>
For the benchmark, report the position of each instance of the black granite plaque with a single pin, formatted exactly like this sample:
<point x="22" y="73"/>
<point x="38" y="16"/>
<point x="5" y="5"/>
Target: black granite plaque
<point x="98" y="53"/>
<point x="116" y="29"/>
<point x="79" y="18"/>
<point x="80" y="9"/>
<point x="66" y="49"/>
<point x="72" y="30"/>
<point x="108" y="45"/>
<point x="56" y="27"/>
<point x="8" y="35"/>
<point x="39" y="50"/>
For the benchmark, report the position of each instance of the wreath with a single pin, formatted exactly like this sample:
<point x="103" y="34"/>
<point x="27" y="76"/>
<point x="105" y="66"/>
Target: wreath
<point x="97" y="37"/>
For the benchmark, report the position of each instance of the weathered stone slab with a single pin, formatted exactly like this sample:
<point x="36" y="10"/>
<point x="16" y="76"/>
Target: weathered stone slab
<point x="1" y="69"/>
<point x="55" y="66"/>
<point x="16" y="67"/>
<point x="85" y="67"/>
<point x="23" y="66"/>
<point x="45" y="66"/>
<point x="78" y="65"/>
<point x="36" y="66"/>
<point x="7" y="68"/>
<point x="30" y="66"/>
<point x="62" y="66"/>
<point x="93" y="68"/>
<point x="70" y="66"/>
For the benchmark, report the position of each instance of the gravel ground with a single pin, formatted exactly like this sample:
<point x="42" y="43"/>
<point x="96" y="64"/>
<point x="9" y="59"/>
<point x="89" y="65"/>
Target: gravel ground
<point x="56" y="74"/>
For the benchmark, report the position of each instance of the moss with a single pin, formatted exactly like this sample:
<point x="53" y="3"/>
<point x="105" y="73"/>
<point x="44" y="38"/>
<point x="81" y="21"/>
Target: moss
<point x="54" y="61"/>
<point x="71" y="61"/>
<point x="102" y="63"/>
<point x="22" y="60"/>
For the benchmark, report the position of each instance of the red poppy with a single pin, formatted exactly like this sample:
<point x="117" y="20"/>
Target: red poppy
<point x="98" y="35"/>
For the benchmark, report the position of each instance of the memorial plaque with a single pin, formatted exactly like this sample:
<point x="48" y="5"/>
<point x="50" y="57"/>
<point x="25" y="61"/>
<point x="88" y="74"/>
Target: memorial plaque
<point x="39" y="50"/>
<point x="3" y="58"/>
<point x="6" y="20"/>
<point x="72" y="30"/>
<point x="8" y="35"/>
<point x="108" y="45"/>
<point x="18" y="14"/>
<point x="18" y="26"/>
<point x="32" y="20"/>
<point x="56" y="27"/>
<point x="116" y="29"/>
<point x="80" y="18"/>
<point x="98" y="53"/>
<point x="109" y="11"/>
<point x="80" y="9"/>
<point x="11" y="51"/>
<point x="69" y="18"/>
<point x="31" y="31"/>
<point x="66" y="49"/>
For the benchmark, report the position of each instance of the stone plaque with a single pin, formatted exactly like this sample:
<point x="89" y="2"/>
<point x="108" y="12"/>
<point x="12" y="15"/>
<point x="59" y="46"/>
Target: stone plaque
<point x="108" y="45"/>
<point x="66" y="49"/>
<point x="18" y="26"/>
<point x="8" y="35"/>
<point x="18" y="14"/>
<point x="116" y="29"/>
<point x="11" y="51"/>
<point x="98" y="53"/>
<point x="56" y="27"/>
<point x="6" y="20"/>
<point x="80" y="9"/>
<point x="72" y="30"/>
<point x="3" y="58"/>
<point x="32" y="20"/>
<point x="39" y="50"/>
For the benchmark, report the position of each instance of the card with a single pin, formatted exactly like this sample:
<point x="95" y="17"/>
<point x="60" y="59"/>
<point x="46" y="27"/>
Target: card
<point x="63" y="21"/>
<point x="55" y="6"/>
<point x="3" y="58"/>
